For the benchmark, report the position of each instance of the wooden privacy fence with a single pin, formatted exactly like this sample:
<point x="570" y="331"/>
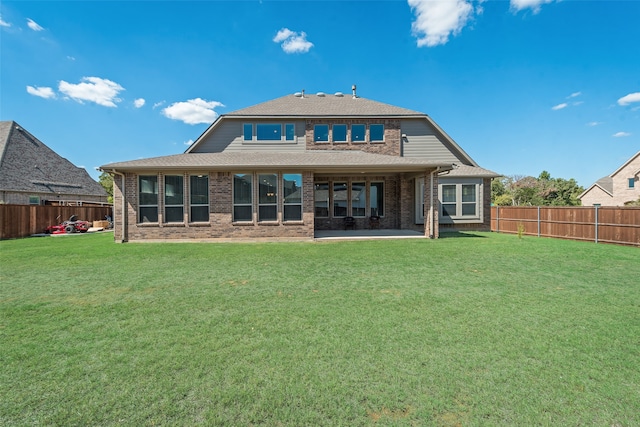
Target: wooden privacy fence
<point x="25" y="220"/>
<point x="606" y="224"/>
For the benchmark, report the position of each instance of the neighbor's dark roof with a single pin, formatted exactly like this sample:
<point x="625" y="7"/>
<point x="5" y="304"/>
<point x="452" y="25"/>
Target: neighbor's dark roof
<point x="28" y="165"/>
<point x="324" y="106"/>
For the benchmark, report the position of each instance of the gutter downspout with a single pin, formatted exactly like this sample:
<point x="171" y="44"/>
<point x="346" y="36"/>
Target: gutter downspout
<point x="124" y="206"/>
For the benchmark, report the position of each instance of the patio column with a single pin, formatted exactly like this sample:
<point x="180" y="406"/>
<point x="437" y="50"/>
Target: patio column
<point x="431" y="226"/>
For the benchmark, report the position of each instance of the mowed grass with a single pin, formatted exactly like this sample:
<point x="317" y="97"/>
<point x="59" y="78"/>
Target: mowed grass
<point x="486" y="329"/>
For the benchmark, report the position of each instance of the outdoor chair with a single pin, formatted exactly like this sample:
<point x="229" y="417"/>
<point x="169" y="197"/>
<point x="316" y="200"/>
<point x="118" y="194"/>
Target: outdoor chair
<point x="349" y="222"/>
<point x="374" y="222"/>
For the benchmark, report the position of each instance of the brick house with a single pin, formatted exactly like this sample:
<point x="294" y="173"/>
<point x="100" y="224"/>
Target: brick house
<point x="32" y="173"/>
<point x="292" y="166"/>
<point x="620" y="187"/>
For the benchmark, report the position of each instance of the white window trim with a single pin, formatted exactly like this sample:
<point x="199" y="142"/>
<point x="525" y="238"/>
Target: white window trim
<point x="283" y="135"/>
<point x="315" y="141"/>
<point x="461" y="219"/>
<point x="378" y="141"/>
<point x="346" y="133"/>
<point x="364" y="141"/>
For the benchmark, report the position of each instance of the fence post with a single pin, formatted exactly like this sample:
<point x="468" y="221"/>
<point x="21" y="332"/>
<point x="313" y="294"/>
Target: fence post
<point x="596" y="224"/>
<point x="538" y="221"/>
<point x="497" y="219"/>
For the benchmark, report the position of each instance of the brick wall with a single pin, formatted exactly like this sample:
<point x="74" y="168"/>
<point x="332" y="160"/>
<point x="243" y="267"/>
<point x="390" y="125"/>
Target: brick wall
<point x="390" y="146"/>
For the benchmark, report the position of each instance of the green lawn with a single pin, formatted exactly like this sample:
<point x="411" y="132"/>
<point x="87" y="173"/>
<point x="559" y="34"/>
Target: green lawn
<point x="487" y="329"/>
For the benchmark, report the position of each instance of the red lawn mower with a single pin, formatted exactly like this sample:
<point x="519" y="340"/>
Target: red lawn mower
<point x="68" y="227"/>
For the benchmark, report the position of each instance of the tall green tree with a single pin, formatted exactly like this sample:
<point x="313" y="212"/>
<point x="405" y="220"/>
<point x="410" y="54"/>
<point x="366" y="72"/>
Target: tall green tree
<point x="106" y="180"/>
<point x="529" y="191"/>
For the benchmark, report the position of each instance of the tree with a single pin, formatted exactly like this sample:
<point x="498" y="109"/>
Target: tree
<point x="106" y="180"/>
<point x="545" y="190"/>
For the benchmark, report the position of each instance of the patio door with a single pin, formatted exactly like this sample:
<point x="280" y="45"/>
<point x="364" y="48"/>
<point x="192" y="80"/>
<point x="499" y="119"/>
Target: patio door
<point x="419" y="200"/>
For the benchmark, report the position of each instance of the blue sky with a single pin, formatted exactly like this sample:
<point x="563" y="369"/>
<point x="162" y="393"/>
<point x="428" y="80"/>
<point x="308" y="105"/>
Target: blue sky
<point x="522" y="85"/>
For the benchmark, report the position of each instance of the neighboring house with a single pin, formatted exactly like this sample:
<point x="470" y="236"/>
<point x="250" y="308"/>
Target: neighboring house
<point x="300" y="163"/>
<point x="620" y="187"/>
<point x="32" y="173"/>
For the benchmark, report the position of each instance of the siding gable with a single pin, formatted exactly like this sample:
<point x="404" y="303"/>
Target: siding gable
<point x="422" y="140"/>
<point x="228" y="137"/>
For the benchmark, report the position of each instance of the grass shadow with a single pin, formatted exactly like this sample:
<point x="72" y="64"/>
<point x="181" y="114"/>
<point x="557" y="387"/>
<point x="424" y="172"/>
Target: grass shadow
<point x="451" y="234"/>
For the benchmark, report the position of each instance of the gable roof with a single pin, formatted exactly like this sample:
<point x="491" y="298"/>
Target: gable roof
<point x="329" y="106"/>
<point x="28" y="165"/>
<point x="625" y="164"/>
<point x="606" y="182"/>
<point x="323" y="106"/>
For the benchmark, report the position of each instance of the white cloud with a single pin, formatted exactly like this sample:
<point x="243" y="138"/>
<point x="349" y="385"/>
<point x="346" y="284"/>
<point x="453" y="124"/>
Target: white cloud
<point x="621" y="134"/>
<point x="101" y="91"/>
<point x="592" y="124"/>
<point x="4" y="23"/>
<point x="42" y="92"/>
<point x="560" y="106"/>
<point x="34" y="25"/>
<point x="518" y="5"/>
<point x="158" y="104"/>
<point x="193" y="111"/>
<point x="293" y="42"/>
<point x="436" y="20"/>
<point x="574" y="95"/>
<point x="139" y="103"/>
<point x="283" y="34"/>
<point x="628" y="99"/>
<point x="189" y="142"/>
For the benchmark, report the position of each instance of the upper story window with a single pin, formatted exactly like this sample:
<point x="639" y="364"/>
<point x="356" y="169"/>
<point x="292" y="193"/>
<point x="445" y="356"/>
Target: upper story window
<point x="247" y="130"/>
<point x="268" y="132"/>
<point x="358" y="133"/>
<point x="376" y="132"/>
<point x="339" y="133"/>
<point x="321" y="133"/>
<point x="289" y="131"/>
<point x="632" y="182"/>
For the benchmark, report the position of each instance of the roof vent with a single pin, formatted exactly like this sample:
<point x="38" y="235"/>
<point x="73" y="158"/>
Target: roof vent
<point x="320" y="94"/>
<point x="340" y="94"/>
<point x="353" y="89"/>
<point x="298" y="94"/>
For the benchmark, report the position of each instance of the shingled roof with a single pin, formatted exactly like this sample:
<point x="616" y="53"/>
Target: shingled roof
<point x="28" y="165"/>
<point x="338" y="105"/>
<point x="317" y="160"/>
